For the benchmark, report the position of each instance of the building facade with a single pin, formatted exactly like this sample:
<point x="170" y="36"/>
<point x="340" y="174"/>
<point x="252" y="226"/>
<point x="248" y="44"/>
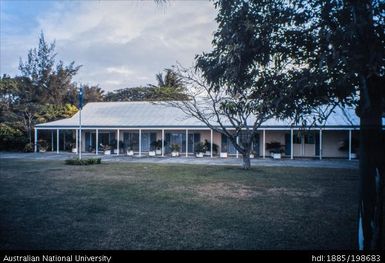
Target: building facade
<point x="132" y="128"/>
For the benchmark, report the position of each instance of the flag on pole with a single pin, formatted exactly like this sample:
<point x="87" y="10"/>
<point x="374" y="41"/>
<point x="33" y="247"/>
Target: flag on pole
<point x="81" y="97"/>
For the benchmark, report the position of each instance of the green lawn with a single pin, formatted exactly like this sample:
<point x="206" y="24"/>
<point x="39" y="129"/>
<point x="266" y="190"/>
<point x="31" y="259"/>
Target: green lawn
<point x="49" y="205"/>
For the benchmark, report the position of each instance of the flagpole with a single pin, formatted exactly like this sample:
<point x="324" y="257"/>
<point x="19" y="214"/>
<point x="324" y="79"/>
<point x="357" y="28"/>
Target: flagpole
<point x="80" y="121"/>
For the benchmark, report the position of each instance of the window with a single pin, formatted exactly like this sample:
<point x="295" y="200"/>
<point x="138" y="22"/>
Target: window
<point x="297" y="138"/>
<point x="309" y="138"/>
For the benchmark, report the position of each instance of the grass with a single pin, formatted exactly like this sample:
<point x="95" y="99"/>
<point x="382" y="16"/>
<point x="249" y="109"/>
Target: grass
<point x="50" y="205"/>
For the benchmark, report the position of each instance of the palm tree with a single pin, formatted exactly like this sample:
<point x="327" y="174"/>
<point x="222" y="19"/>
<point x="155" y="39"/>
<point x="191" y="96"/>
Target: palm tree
<point x="170" y="86"/>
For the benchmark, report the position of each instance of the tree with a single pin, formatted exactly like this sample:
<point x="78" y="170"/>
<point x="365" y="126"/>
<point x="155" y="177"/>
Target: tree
<point x="349" y="49"/>
<point x="131" y="94"/>
<point x="237" y="116"/>
<point x="43" y="81"/>
<point x="169" y="87"/>
<point x="325" y="53"/>
<point x="242" y="70"/>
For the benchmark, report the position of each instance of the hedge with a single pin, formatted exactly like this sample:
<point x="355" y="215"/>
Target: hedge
<point x="83" y="161"/>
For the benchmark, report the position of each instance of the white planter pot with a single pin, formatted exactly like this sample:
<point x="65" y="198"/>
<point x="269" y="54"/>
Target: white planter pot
<point x="276" y="155"/>
<point x="151" y="153"/>
<point x="207" y="153"/>
<point x="74" y="150"/>
<point x="107" y="152"/>
<point x="199" y="155"/>
<point x="174" y="154"/>
<point x="158" y="152"/>
<point x="130" y="153"/>
<point x="223" y="155"/>
<point x="252" y="156"/>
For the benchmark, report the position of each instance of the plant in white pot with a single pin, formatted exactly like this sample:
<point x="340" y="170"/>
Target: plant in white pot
<point x="223" y="153"/>
<point x="42" y="146"/>
<point x="130" y="151"/>
<point x="107" y="150"/>
<point x="344" y="147"/>
<point x="175" y="148"/>
<point x="207" y="145"/>
<point x="276" y="149"/>
<point x="253" y="154"/>
<point x="157" y="145"/>
<point x="200" y="149"/>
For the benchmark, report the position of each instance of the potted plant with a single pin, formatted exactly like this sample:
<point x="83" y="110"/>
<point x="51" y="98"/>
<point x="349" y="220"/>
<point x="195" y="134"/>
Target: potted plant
<point x="207" y="145"/>
<point x="42" y="146"/>
<point x="199" y="149"/>
<point x="175" y="150"/>
<point x="71" y="147"/>
<point x="344" y="146"/>
<point x="130" y="151"/>
<point x="158" y="146"/>
<point x="276" y="149"/>
<point x="253" y="154"/>
<point x="107" y="150"/>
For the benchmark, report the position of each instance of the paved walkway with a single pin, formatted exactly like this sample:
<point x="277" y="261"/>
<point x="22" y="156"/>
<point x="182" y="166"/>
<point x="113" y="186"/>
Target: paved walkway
<point x="326" y="163"/>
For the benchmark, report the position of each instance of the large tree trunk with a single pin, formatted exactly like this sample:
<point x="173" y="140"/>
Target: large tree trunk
<point x="246" y="161"/>
<point x="372" y="159"/>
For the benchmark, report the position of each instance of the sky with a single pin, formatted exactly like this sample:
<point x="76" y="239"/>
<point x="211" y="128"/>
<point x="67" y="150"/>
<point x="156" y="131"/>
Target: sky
<point x="119" y="44"/>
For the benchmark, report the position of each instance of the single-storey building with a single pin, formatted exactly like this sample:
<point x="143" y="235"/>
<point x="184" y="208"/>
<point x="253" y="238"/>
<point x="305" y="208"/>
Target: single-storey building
<point x="132" y="127"/>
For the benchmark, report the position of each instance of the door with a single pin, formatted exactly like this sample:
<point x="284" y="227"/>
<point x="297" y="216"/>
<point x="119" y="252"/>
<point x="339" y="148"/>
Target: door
<point x="192" y="140"/>
<point x="317" y="144"/>
<point x="147" y="139"/>
<point x="287" y="144"/>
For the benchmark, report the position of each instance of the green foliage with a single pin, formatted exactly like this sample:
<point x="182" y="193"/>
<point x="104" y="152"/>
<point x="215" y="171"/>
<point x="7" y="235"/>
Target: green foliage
<point x="29" y="147"/>
<point x="157" y="144"/>
<point x="11" y="138"/>
<point x="275" y="147"/>
<point x="175" y="147"/>
<point x="200" y="147"/>
<point x="207" y="146"/>
<point x="43" y="93"/>
<point x="170" y="87"/>
<point x="89" y="161"/>
<point x="46" y="81"/>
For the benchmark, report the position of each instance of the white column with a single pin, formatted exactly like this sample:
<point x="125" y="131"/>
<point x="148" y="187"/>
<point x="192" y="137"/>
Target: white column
<point x="140" y="142"/>
<point x="350" y="145"/>
<point x="211" y="142"/>
<point x="57" y="141"/>
<point x="291" y="145"/>
<point x="35" y="146"/>
<point x="186" y="142"/>
<point x="77" y="141"/>
<point x="51" y="140"/>
<point x="320" y="144"/>
<point x="162" y="142"/>
<point x="97" y="142"/>
<point x="117" y="143"/>
<point x="263" y="144"/>
<point x="237" y="154"/>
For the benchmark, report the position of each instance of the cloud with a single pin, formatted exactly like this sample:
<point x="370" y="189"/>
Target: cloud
<point x="121" y="43"/>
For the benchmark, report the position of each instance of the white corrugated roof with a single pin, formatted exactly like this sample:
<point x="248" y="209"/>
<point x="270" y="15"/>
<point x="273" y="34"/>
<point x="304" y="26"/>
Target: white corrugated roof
<point x="148" y="114"/>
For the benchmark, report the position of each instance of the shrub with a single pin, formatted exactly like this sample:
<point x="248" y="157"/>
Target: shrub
<point x="200" y="147"/>
<point x="275" y="147"/>
<point x="29" y="147"/>
<point x="175" y="147"/>
<point x="89" y="161"/>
